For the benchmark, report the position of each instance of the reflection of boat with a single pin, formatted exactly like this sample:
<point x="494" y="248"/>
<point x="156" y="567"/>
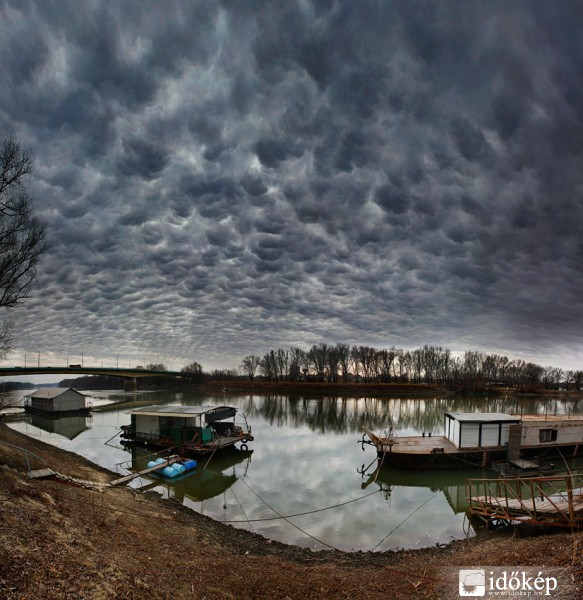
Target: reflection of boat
<point x="189" y="430"/>
<point x="479" y="438"/>
<point x="450" y="482"/>
<point x="206" y="481"/>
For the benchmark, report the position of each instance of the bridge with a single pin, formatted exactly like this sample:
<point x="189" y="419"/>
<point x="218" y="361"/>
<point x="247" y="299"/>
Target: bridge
<point x="129" y="374"/>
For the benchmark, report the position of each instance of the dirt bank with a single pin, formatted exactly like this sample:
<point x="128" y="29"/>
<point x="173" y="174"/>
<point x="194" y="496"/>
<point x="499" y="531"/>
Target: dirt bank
<point x="61" y="540"/>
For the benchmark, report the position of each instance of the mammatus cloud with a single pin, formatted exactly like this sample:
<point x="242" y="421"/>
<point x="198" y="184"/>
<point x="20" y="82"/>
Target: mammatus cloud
<point x="225" y="178"/>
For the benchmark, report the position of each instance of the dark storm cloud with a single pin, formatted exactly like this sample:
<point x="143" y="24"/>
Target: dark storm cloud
<point x="222" y="178"/>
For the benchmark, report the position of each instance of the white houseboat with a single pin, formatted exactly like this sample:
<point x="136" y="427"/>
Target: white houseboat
<point x="481" y="438"/>
<point x="188" y="430"/>
<point x="56" y="402"/>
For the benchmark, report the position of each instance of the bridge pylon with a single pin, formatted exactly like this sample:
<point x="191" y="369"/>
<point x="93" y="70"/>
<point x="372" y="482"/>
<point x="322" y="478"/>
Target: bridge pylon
<point x="130" y="384"/>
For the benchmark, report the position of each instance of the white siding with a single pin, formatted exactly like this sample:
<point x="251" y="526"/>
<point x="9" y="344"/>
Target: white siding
<point x="69" y="400"/>
<point x="454" y="432"/>
<point x="147" y="424"/>
<point x="470" y="433"/>
<point x="490" y="432"/>
<point x="567" y="432"/>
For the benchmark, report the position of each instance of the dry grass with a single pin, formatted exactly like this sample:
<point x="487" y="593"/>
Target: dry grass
<point x="62" y="541"/>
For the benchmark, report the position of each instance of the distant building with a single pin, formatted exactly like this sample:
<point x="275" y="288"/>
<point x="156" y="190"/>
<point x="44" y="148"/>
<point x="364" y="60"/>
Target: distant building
<point x="56" y="401"/>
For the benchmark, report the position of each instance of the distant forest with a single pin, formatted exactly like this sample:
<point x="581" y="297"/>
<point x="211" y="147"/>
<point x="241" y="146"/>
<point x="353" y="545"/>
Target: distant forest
<point x="340" y="363"/>
<point x="475" y="371"/>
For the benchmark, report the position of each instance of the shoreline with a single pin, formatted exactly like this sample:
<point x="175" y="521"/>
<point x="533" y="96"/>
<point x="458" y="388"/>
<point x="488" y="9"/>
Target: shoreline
<point x="62" y="539"/>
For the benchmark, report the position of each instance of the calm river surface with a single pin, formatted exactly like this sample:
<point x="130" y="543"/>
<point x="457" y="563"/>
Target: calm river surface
<point x="302" y="481"/>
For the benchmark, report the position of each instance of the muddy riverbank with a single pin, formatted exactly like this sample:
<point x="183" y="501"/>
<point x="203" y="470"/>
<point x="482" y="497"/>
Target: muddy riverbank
<point x="83" y="539"/>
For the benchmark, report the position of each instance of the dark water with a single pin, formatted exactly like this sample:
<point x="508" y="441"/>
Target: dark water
<point x="305" y="479"/>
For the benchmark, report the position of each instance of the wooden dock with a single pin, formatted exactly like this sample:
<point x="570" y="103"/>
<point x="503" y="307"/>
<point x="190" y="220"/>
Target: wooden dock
<point x="127" y="478"/>
<point x="41" y="474"/>
<point x="556" y="500"/>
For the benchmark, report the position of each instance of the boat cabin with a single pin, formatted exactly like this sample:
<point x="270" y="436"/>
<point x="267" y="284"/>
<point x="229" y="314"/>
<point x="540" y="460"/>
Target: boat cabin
<point x="478" y="430"/>
<point x="182" y="423"/>
<point x="56" y="401"/>
<point x="556" y="430"/>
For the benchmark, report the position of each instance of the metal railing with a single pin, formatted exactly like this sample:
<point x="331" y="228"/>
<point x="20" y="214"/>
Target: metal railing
<point x="556" y="500"/>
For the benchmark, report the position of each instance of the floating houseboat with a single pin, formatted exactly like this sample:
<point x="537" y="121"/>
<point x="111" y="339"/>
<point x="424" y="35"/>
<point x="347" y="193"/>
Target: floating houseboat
<point x="188" y="430"/>
<point x="478" y="439"/>
<point x="56" y="402"/>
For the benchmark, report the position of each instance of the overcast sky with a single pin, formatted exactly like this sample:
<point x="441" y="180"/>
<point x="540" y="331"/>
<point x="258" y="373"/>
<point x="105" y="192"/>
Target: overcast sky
<point x="224" y="178"/>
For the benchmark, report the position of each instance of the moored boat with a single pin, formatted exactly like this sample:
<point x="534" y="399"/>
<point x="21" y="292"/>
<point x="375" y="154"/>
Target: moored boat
<point x="479" y="438"/>
<point x="188" y="430"/>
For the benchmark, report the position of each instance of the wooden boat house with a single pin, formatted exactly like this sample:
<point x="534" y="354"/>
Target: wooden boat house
<point x="56" y="402"/>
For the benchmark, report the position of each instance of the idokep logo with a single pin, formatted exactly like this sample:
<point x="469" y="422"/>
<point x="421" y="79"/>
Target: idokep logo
<point x="472" y="582"/>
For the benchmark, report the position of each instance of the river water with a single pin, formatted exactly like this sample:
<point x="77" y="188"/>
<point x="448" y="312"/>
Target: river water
<point x="305" y="479"/>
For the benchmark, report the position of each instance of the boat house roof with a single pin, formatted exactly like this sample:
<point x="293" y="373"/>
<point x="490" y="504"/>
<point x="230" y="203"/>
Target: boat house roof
<point x="52" y="392"/>
<point x="211" y="412"/>
<point x="483" y="417"/>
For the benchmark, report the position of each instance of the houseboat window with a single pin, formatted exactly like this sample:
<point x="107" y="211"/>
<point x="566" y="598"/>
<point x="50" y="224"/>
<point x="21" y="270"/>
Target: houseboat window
<point x="547" y="435"/>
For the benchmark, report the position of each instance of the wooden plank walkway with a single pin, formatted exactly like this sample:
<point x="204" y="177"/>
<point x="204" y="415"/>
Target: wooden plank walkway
<point x="41" y="473"/>
<point x="132" y="476"/>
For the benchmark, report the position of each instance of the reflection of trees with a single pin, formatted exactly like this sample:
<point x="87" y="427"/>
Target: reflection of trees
<point x="350" y="415"/>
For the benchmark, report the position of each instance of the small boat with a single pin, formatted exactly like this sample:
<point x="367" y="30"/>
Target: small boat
<point x="478" y="439"/>
<point x="188" y="430"/>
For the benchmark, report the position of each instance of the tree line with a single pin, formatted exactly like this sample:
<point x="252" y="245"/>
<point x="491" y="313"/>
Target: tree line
<point x="473" y="370"/>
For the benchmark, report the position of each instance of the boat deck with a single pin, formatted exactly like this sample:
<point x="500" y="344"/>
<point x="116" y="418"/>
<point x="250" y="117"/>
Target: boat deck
<point x="418" y="445"/>
<point x="218" y="444"/>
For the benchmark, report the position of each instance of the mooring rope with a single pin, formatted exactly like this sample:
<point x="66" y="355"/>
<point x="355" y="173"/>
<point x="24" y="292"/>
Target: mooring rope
<point x="286" y="519"/>
<point x="301" y="514"/>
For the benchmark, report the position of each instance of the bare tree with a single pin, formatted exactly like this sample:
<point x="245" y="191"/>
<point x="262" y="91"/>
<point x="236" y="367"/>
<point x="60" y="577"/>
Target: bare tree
<point x="268" y="366"/>
<point x="318" y="357"/>
<point x="22" y="236"/>
<point x="250" y="364"/>
<point x="344" y="360"/>
<point x="299" y="364"/>
<point x="193" y="371"/>
<point x="156" y="367"/>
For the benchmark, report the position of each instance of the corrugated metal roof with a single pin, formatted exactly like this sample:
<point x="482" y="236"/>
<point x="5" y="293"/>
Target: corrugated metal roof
<point x="483" y="417"/>
<point x="176" y="411"/>
<point x="51" y="392"/>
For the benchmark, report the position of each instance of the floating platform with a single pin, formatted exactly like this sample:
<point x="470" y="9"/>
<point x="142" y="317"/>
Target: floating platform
<point x="157" y="467"/>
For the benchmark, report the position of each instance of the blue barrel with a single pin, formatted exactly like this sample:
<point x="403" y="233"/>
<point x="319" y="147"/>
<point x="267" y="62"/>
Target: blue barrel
<point x="151" y="464"/>
<point x="169" y="472"/>
<point x="178" y="468"/>
<point x="189" y="464"/>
